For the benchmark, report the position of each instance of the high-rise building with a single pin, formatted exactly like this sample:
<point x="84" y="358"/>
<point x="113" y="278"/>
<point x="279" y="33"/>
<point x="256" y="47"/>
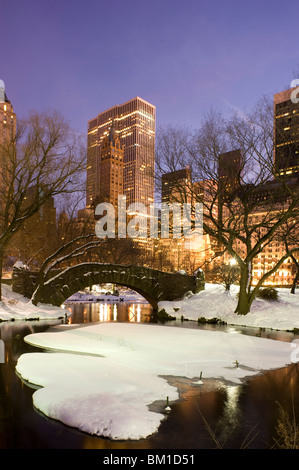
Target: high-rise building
<point x="7" y="116"/>
<point x="230" y="168"/>
<point x="134" y="123"/>
<point x="7" y="132"/>
<point x="286" y="133"/>
<point x="176" y="186"/>
<point x="111" y="168"/>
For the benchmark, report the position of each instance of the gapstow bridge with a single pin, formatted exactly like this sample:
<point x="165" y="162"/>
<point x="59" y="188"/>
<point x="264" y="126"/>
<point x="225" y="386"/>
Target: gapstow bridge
<point x="155" y="286"/>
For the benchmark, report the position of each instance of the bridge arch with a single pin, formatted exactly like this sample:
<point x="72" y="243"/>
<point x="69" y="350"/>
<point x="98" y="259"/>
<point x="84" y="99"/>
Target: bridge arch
<point x="152" y="284"/>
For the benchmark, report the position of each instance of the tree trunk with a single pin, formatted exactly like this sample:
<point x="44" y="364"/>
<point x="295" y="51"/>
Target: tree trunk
<point x="295" y="280"/>
<point x="244" y="301"/>
<point x="1" y="267"/>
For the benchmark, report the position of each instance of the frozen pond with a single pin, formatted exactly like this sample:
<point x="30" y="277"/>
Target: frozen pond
<point x="237" y="413"/>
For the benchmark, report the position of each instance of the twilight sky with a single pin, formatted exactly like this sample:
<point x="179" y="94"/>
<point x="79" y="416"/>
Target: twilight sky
<point x="82" y="57"/>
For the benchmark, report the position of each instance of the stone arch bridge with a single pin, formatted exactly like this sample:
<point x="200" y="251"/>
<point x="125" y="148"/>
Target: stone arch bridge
<point x="153" y="285"/>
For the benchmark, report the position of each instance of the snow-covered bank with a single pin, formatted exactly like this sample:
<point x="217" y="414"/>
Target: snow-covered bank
<point x="103" y="378"/>
<point x="211" y="303"/>
<point x="14" y="306"/>
<point x="214" y="302"/>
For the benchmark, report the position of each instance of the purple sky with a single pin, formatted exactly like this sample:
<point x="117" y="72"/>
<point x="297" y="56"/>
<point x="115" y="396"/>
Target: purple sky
<point x="82" y="57"/>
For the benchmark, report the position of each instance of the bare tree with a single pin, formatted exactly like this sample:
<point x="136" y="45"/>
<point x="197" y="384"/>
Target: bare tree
<point x="245" y="201"/>
<point x="227" y="273"/>
<point x="41" y="161"/>
<point x="289" y="236"/>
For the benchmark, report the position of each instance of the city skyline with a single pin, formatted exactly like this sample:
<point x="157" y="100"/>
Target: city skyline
<point x="184" y="60"/>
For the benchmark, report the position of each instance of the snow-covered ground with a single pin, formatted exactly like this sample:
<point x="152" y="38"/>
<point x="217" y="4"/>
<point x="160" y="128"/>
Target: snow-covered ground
<point x="14" y="306"/>
<point x="214" y="302"/>
<point x="103" y="378"/>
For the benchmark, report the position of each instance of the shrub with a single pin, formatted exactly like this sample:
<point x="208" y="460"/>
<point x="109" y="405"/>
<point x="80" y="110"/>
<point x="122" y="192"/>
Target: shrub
<point x="268" y="293"/>
<point x="163" y="315"/>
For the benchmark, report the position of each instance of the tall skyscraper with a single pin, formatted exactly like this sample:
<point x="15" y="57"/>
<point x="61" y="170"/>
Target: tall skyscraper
<point x="286" y="133"/>
<point x="7" y="132"/>
<point x="7" y="116"/>
<point x="229" y="173"/>
<point x="111" y="168"/>
<point x="134" y="123"/>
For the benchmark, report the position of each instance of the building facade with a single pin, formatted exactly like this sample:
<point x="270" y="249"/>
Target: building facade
<point x="134" y="125"/>
<point x="7" y="116"/>
<point x="111" y="168"/>
<point x="230" y="170"/>
<point x="177" y="253"/>
<point x="286" y="133"/>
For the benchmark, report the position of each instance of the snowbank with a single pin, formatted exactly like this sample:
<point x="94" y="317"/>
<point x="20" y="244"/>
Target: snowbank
<point x="214" y="302"/>
<point x="102" y="378"/>
<point x="14" y="306"/>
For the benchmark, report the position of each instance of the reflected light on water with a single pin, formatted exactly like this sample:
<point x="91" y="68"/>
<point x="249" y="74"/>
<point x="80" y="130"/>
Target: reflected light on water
<point x="134" y="313"/>
<point x="231" y="415"/>
<point x="232" y="401"/>
<point x="106" y="312"/>
<point x="233" y="330"/>
<point x="138" y="313"/>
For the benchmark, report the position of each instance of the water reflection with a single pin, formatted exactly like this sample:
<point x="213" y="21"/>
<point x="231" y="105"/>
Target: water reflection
<point x="107" y="312"/>
<point x="231" y="415"/>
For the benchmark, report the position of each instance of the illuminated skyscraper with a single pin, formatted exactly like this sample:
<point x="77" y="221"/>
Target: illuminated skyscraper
<point x="7" y="132"/>
<point x="286" y="133"/>
<point x="111" y="168"/>
<point x="134" y="123"/>
<point x="7" y="116"/>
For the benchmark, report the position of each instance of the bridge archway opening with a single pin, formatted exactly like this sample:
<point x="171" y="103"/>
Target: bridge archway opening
<point x="111" y="292"/>
<point x="98" y="304"/>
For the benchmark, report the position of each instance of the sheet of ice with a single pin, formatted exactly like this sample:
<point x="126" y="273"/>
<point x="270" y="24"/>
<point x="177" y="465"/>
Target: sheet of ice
<point x="105" y="376"/>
